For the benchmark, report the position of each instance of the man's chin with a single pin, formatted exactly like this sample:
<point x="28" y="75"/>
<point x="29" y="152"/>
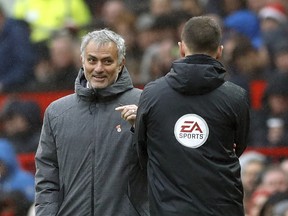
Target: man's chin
<point x="99" y="85"/>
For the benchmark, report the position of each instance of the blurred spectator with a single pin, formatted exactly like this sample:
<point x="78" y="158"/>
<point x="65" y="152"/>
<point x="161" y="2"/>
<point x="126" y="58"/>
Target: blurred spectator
<point x="110" y="12"/>
<point x="280" y="208"/>
<point x="62" y="51"/>
<point x="56" y="68"/>
<point x="272" y="15"/>
<point x="269" y="125"/>
<point x="274" y="179"/>
<point x="162" y="58"/>
<point x="42" y="71"/>
<point x="137" y="7"/>
<point x="252" y="166"/>
<point x="95" y="7"/>
<point x="159" y="55"/>
<point x="256" y="5"/>
<point x="125" y="26"/>
<point x="243" y="61"/>
<point x="249" y="59"/>
<point x="275" y="205"/>
<point x="145" y="35"/>
<point x="280" y="57"/>
<point x="16" y="54"/>
<point x="231" y="6"/>
<point x="257" y="201"/>
<point x="160" y="7"/>
<point x="21" y="124"/>
<point x="195" y="7"/>
<point x="48" y="16"/>
<point x="153" y="29"/>
<point x="153" y="24"/>
<point x="274" y="26"/>
<point x="222" y="8"/>
<point x="213" y="7"/>
<point x="13" y="204"/>
<point x="284" y="165"/>
<point x="12" y="177"/>
<point x="246" y="23"/>
<point x="181" y="17"/>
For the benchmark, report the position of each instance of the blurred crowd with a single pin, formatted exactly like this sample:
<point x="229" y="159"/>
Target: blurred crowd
<point x="40" y="52"/>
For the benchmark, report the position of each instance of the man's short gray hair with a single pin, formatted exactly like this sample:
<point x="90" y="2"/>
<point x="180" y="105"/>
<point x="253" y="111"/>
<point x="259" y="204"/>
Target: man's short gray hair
<point x="104" y="36"/>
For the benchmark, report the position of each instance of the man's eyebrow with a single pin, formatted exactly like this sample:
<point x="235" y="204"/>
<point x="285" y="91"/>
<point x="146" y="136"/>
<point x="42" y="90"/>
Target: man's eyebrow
<point x="94" y="56"/>
<point x="90" y="55"/>
<point x="107" y="57"/>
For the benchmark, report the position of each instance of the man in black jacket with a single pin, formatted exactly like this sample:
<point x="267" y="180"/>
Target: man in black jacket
<point x="188" y="123"/>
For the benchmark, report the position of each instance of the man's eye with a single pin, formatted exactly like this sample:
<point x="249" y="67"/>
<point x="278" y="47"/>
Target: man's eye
<point x="91" y="60"/>
<point x="107" y="62"/>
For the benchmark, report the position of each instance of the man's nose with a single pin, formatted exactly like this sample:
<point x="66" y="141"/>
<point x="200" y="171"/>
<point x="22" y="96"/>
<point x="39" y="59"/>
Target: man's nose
<point x="99" y="67"/>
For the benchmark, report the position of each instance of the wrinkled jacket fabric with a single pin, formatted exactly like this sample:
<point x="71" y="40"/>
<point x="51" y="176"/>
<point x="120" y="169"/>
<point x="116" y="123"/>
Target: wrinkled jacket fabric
<point x="85" y="162"/>
<point x="201" y="180"/>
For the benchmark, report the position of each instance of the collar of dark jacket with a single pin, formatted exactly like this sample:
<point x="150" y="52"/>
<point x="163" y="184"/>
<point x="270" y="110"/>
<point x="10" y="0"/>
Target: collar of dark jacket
<point x="196" y="74"/>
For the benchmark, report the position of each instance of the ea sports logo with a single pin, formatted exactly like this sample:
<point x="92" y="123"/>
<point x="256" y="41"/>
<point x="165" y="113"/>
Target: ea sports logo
<point x="191" y="130"/>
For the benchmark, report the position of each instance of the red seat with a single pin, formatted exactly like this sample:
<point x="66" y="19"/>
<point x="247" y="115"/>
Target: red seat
<point x="257" y="88"/>
<point x="27" y="161"/>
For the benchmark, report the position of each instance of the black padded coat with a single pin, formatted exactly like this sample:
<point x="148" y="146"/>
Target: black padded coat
<point x="187" y="123"/>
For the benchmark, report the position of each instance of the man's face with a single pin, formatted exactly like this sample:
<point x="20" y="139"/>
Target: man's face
<point x="100" y="63"/>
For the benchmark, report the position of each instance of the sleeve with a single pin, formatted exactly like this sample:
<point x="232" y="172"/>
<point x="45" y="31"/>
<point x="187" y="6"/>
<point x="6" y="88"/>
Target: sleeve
<point x="47" y="172"/>
<point x="243" y="125"/>
<point x="140" y="131"/>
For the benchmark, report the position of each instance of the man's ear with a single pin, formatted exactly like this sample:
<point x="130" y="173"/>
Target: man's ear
<point x="121" y="65"/>
<point x="181" y="49"/>
<point x="219" y="52"/>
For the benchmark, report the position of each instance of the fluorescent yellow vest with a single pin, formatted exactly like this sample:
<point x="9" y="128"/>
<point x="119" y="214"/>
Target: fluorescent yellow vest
<point x="46" y="16"/>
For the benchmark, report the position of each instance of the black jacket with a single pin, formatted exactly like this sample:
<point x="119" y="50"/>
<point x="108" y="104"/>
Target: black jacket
<point x="188" y="122"/>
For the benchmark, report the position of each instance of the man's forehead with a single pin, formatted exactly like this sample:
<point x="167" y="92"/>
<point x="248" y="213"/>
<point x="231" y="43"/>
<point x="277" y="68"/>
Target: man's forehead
<point x="104" y="48"/>
<point x="106" y="44"/>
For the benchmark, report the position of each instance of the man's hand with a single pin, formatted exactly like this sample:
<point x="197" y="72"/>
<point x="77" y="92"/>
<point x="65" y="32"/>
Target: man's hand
<point x="128" y="113"/>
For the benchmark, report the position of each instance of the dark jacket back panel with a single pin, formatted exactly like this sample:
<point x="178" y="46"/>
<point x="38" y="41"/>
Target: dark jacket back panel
<point x="202" y="180"/>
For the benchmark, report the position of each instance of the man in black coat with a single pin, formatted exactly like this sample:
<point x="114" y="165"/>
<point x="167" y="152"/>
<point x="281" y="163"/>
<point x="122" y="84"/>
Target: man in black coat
<point x="189" y="123"/>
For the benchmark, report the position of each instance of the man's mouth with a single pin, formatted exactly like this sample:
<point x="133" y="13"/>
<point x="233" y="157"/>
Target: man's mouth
<point x="98" y="78"/>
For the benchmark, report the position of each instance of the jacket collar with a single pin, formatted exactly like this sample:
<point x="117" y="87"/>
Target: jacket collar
<point x="196" y="74"/>
<point x="122" y="84"/>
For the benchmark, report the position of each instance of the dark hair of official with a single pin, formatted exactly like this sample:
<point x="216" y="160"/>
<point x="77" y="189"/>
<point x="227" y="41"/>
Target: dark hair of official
<point x="201" y="34"/>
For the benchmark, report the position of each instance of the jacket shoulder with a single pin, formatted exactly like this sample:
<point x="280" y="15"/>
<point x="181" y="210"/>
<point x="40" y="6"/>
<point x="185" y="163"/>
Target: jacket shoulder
<point x="235" y="89"/>
<point x="131" y="96"/>
<point x="136" y="92"/>
<point x="237" y="95"/>
<point x="62" y="104"/>
<point x="159" y="85"/>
